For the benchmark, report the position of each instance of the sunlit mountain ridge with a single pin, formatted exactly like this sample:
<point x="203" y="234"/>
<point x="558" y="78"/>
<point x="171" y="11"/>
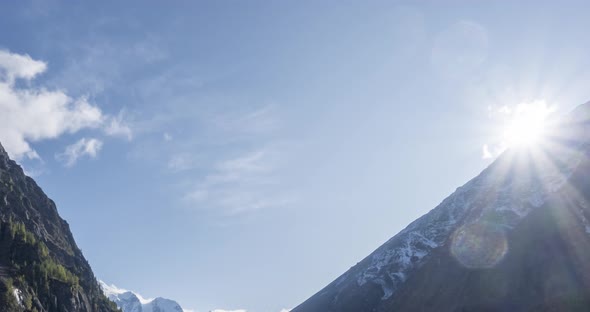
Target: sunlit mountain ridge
<point x="514" y="238"/>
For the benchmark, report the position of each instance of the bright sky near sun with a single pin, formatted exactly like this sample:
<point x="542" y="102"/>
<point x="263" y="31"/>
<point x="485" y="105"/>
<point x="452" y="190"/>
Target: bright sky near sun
<point x="244" y="154"/>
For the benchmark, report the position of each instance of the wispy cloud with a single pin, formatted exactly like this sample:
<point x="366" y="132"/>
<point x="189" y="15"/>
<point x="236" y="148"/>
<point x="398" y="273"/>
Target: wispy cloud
<point x="29" y="114"/>
<point x="104" y="63"/>
<point x="241" y="184"/>
<point x="84" y="147"/>
<point x="116" y="126"/>
<point x="181" y="162"/>
<point x="225" y="184"/>
<point x="227" y="156"/>
<point x="246" y="165"/>
<point x="261" y="120"/>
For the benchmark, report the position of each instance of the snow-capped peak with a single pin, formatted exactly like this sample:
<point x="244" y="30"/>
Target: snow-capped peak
<point x="130" y="301"/>
<point x="111" y="289"/>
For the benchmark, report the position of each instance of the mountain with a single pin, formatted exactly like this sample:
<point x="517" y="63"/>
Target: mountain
<point x="514" y="238"/>
<point x="129" y="301"/>
<point x="41" y="268"/>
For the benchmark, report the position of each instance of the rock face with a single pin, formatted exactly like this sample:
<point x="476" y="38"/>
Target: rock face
<point x="514" y="238"/>
<point x="41" y="268"/>
<point x="129" y="301"/>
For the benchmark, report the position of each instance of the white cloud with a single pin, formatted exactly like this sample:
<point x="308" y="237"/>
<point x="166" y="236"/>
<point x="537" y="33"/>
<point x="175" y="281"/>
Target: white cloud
<point x="115" y="126"/>
<point x="84" y="147"/>
<point x="492" y="151"/>
<point x="486" y="154"/>
<point x="14" y="66"/>
<point x="33" y="115"/>
<point x="29" y="114"/>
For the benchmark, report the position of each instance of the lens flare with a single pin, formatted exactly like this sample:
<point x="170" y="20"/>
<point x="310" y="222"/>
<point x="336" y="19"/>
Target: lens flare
<point x="479" y="245"/>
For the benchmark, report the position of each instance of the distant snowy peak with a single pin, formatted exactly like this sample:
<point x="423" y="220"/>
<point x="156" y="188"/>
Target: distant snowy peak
<point x="129" y="301"/>
<point x="111" y="290"/>
<point x="242" y="310"/>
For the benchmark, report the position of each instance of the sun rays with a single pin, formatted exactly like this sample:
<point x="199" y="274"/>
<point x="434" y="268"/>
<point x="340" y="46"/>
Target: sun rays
<point x="543" y="153"/>
<point x="523" y="126"/>
<point x="527" y="123"/>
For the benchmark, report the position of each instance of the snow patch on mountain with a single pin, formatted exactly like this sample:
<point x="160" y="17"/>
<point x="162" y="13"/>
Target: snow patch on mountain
<point x="111" y="290"/>
<point x="18" y="295"/>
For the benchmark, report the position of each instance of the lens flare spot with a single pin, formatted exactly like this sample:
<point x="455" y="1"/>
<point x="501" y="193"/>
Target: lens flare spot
<point x="479" y="245"/>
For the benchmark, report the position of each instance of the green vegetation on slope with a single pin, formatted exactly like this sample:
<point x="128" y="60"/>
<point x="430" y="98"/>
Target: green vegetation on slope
<point x="41" y="268"/>
<point x="35" y="270"/>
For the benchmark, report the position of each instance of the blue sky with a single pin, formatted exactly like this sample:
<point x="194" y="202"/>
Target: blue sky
<point x="243" y="154"/>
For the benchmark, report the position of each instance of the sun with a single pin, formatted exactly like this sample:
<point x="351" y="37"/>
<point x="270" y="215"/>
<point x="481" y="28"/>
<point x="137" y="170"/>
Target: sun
<point x="526" y="124"/>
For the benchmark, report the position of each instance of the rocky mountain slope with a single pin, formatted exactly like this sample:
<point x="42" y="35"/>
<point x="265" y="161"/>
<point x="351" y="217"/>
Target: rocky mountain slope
<point x="129" y="301"/>
<point x="514" y="238"/>
<point x="41" y="268"/>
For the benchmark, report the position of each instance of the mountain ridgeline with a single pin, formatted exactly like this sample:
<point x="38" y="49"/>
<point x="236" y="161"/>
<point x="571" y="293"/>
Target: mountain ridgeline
<point x="514" y="238"/>
<point x="41" y="268"/>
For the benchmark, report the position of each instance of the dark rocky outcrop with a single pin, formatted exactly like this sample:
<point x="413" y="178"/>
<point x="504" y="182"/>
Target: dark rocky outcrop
<point x="41" y="268"/>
